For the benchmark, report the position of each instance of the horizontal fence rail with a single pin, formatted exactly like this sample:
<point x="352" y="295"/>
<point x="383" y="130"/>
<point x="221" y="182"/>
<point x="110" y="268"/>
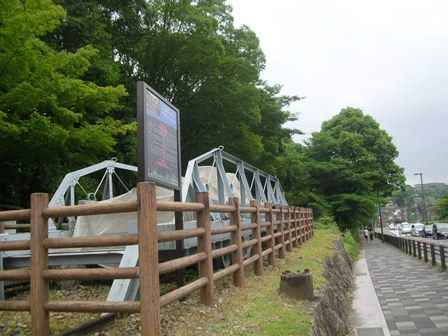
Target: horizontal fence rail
<point x="275" y="229"/>
<point x="428" y="251"/>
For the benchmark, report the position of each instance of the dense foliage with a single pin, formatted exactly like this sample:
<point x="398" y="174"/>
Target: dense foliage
<point x="411" y="195"/>
<point x="350" y="167"/>
<point x="442" y="207"/>
<point x="68" y="74"/>
<point x="68" y="85"/>
<point x="50" y="118"/>
<point x="191" y="53"/>
<point x="410" y="199"/>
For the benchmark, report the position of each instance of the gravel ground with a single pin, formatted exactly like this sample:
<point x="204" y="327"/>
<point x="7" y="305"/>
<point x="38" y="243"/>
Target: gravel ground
<point x="181" y="318"/>
<point x="18" y="323"/>
<point x="175" y="317"/>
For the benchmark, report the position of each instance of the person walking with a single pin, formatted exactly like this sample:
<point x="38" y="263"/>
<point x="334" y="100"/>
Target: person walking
<point x="371" y="233"/>
<point x="366" y="234"/>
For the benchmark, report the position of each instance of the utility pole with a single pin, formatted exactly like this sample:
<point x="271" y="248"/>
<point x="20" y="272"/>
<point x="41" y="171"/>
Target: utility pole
<point x="425" y="211"/>
<point x="381" y="220"/>
<point x="406" y="210"/>
<point x="381" y="215"/>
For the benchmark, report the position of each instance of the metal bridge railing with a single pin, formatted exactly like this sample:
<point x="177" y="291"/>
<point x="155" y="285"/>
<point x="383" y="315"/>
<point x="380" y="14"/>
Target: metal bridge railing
<point x="421" y="250"/>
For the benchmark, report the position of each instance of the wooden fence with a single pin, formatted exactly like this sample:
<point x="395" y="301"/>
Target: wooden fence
<point x="286" y="227"/>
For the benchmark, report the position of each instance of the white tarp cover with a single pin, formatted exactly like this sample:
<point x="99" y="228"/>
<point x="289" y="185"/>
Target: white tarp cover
<point x="98" y="225"/>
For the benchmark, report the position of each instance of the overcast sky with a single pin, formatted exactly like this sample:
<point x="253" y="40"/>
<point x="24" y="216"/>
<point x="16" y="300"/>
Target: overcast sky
<point x="389" y="58"/>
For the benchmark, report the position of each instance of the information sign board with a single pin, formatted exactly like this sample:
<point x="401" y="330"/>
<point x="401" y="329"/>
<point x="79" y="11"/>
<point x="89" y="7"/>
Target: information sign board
<point x="158" y="138"/>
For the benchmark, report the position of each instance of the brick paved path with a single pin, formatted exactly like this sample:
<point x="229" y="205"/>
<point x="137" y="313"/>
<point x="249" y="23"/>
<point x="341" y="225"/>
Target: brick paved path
<point x="413" y="295"/>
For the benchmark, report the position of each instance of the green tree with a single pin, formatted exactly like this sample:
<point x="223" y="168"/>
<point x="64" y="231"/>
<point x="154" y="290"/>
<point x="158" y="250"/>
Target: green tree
<point x="350" y="163"/>
<point x="275" y="137"/>
<point x="442" y="207"/>
<point x="189" y="51"/>
<point x="404" y="197"/>
<point x="50" y="118"/>
<point x="192" y="54"/>
<point x="411" y="198"/>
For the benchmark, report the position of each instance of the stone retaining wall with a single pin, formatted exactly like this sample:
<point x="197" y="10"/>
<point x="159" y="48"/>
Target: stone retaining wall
<point x="332" y="313"/>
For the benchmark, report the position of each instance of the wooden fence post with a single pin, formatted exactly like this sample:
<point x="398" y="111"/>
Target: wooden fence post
<point x="425" y="252"/>
<point x="305" y="231"/>
<point x="205" y="245"/>
<point x="414" y="252"/>
<point x="259" y="249"/>
<point x="442" y="257"/>
<point x="288" y="226"/>
<point x="295" y="243"/>
<point x="148" y="259"/>
<point x="281" y="252"/>
<point x="40" y="318"/>
<point x="302" y="224"/>
<point x="433" y="254"/>
<point x="235" y="219"/>
<point x="307" y="223"/>
<point x="419" y="249"/>
<point x="312" y="222"/>
<point x="270" y="230"/>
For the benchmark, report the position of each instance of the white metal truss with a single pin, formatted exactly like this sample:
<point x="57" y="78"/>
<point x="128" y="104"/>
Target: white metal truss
<point x="263" y="187"/>
<point x="65" y="194"/>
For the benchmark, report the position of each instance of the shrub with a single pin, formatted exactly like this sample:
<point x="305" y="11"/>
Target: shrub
<point x="351" y="245"/>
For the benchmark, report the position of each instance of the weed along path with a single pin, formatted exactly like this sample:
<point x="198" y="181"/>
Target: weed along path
<point x="255" y="309"/>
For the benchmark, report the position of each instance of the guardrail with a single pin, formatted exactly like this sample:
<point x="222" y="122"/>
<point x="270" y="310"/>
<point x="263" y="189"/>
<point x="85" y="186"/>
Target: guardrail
<point x="422" y="250"/>
<point x="286" y="227"/>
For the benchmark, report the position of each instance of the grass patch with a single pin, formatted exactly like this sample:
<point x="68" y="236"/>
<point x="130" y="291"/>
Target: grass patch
<point x="349" y="238"/>
<point x="351" y="244"/>
<point x="315" y="252"/>
<point x="258" y="308"/>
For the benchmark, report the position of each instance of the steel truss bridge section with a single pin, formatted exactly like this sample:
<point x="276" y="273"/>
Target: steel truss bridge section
<point x="262" y="187"/>
<point x="65" y="194"/>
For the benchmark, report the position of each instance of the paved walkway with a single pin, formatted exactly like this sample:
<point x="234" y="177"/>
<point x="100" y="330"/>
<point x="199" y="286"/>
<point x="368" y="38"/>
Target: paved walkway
<point x="413" y="295"/>
<point x="367" y="317"/>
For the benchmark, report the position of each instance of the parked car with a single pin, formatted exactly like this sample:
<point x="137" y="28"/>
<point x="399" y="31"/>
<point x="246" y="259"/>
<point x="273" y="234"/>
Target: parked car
<point x="417" y="229"/>
<point x="427" y="231"/>
<point x="406" y="229"/>
<point x="439" y="230"/>
<point x="392" y="226"/>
